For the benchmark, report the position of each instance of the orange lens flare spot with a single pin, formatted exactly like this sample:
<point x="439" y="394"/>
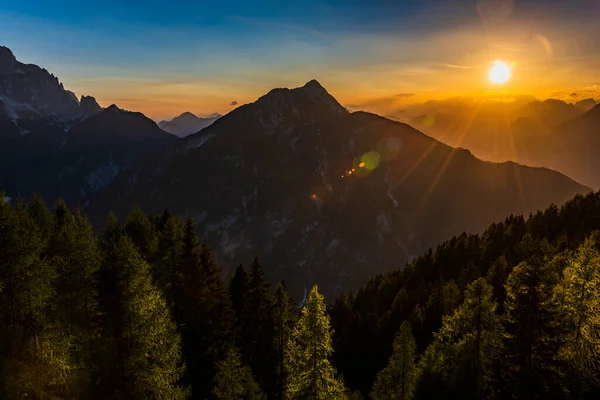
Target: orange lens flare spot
<point x="362" y="164"/>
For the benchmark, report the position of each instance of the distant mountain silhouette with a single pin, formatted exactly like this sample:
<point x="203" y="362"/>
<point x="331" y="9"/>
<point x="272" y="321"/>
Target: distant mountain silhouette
<point x="61" y="147"/>
<point x="493" y="130"/>
<point x="187" y="123"/>
<point x="586" y="104"/>
<point x="571" y="148"/>
<point x="322" y="195"/>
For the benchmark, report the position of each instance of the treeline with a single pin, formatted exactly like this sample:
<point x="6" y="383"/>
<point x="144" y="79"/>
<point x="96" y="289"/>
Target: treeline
<point x="141" y="311"/>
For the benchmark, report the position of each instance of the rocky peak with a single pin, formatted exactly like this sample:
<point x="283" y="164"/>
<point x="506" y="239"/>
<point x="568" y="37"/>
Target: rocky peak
<point x="8" y="62"/>
<point x="89" y="106"/>
<point x="32" y="90"/>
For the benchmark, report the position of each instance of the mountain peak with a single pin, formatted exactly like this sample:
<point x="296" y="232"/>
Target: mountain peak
<point x="8" y="61"/>
<point x="187" y="114"/>
<point x="89" y="106"/>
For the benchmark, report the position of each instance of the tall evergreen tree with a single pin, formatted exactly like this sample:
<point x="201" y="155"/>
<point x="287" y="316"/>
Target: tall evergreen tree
<point x="147" y="344"/>
<point x="311" y="375"/>
<point x="398" y="379"/>
<point x="257" y="326"/>
<point x="238" y="291"/>
<point x="142" y="232"/>
<point x="234" y="381"/>
<point x="468" y="343"/>
<point x="208" y="320"/>
<point x="190" y="238"/>
<point x="166" y="267"/>
<point x="534" y="334"/>
<point x="283" y="323"/>
<point x="34" y="352"/>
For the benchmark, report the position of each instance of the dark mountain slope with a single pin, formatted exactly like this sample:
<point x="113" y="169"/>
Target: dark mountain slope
<point x="74" y="161"/>
<point x="273" y="178"/>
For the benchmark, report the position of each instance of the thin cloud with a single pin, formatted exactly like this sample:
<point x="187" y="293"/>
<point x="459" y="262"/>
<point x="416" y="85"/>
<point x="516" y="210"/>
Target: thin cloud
<point x="456" y="66"/>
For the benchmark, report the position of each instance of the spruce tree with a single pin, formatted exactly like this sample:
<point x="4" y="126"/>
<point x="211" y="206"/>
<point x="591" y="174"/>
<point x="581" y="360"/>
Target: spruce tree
<point x="234" y="381"/>
<point x="190" y="238"/>
<point x="34" y="352"/>
<point x="310" y="373"/>
<point x="208" y="319"/>
<point x="398" y="379"/>
<point x="257" y="326"/>
<point x="148" y="353"/>
<point x="166" y="267"/>
<point x="142" y="232"/>
<point x="283" y="323"/>
<point x="238" y="291"/>
<point x="534" y="334"/>
<point x="470" y="340"/>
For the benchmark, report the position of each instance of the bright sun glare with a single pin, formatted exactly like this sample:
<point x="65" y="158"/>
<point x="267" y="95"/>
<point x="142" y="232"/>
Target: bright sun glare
<point x="499" y="73"/>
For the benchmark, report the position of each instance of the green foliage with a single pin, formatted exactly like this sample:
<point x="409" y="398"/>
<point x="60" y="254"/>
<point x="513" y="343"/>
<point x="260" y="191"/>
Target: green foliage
<point x="398" y="379"/>
<point x="148" y="344"/>
<point x="534" y="335"/>
<point x="465" y="348"/>
<point x="311" y="375"/>
<point x="234" y="380"/>
<point x="142" y="232"/>
<point x="579" y="294"/>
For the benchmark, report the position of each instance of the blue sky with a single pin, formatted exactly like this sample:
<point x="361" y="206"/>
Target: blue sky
<point x="166" y="57"/>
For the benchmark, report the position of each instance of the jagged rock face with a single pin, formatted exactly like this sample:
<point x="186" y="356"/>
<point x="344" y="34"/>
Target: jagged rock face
<point x="275" y="179"/>
<point x="29" y="91"/>
<point x="88" y="106"/>
<point x="55" y="146"/>
<point x="8" y="62"/>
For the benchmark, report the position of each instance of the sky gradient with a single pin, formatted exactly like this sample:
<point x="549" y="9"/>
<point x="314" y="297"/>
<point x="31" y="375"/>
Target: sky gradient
<point x="166" y="57"/>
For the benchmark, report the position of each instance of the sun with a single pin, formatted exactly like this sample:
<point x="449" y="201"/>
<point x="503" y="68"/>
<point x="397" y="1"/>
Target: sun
<point x="499" y="73"/>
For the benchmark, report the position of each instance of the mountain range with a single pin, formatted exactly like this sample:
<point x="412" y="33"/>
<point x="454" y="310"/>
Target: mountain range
<point x="187" y="123"/>
<point x="59" y="146"/>
<point x="322" y="195"/>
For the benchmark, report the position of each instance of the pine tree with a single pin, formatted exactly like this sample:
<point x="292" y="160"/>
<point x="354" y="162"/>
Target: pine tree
<point x="534" y="335"/>
<point x="311" y="375"/>
<point x="398" y="379"/>
<point x="208" y="319"/>
<point x="234" y="381"/>
<point x="580" y="297"/>
<point x="283" y="318"/>
<point x="146" y="339"/>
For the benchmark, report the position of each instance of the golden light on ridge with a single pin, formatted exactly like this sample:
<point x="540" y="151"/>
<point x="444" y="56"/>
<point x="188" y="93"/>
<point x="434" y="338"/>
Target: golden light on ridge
<point x="499" y="73"/>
